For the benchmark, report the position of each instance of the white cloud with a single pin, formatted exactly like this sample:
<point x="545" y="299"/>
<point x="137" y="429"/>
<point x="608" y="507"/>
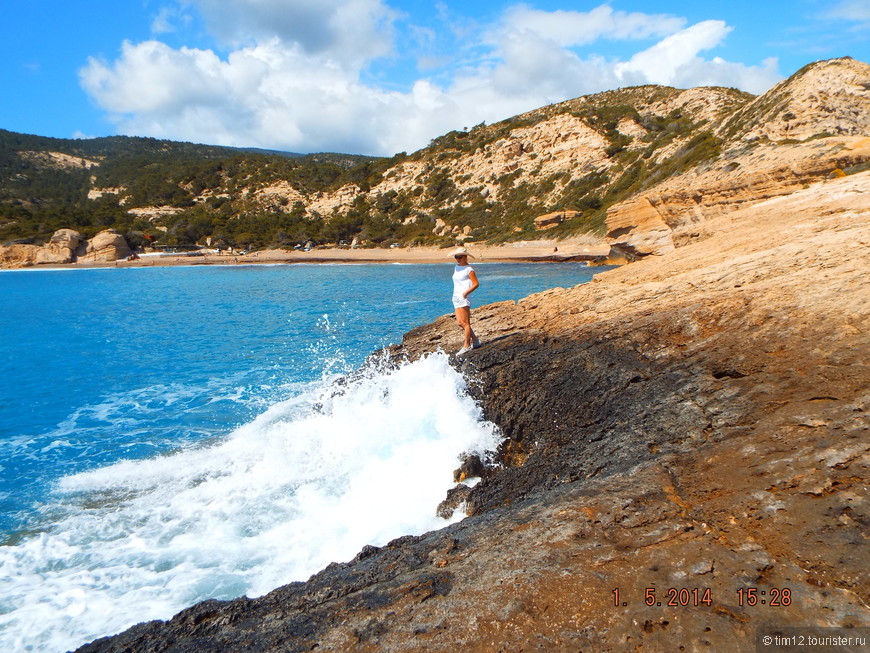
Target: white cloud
<point x="662" y="63"/>
<point x="269" y="95"/>
<point x="675" y="61"/>
<point x="571" y="28"/>
<point x="348" y="32"/>
<point x="532" y="69"/>
<point x="163" y="22"/>
<point x="297" y="82"/>
<point x="170" y="19"/>
<point x="152" y="78"/>
<point x="853" y="10"/>
<point x="856" y="12"/>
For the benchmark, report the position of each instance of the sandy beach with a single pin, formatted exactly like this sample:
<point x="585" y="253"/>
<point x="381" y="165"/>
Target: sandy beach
<point x="577" y="248"/>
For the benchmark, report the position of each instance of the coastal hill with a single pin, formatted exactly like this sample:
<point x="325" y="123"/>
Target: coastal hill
<point x="154" y="191"/>
<point x="685" y="455"/>
<point x="639" y="168"/>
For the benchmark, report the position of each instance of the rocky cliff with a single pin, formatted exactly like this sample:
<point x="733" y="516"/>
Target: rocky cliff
<point x="684" y="463"/>
<point x="659" y="160"/>
<point x="813" y="125"/>
<point x="67" y="246"/>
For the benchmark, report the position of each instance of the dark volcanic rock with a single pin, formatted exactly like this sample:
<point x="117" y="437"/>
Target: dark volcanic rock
<point x="677" y="433"/>
<point x="456" y="496"/>
<point x="472" y="467"/>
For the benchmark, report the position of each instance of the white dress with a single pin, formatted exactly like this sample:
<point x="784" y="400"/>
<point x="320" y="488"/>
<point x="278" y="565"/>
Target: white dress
<point x="461" y="283"/>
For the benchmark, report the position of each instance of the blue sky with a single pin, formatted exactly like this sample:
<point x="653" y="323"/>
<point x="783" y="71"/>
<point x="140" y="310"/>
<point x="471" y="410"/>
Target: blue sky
<point x="380" y="76"/>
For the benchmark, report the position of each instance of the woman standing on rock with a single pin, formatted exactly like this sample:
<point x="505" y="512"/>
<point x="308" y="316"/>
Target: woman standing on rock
<point x="464" y="283"/>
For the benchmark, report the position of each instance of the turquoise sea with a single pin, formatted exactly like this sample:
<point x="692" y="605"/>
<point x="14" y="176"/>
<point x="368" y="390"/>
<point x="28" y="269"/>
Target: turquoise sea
<point x="169" y="435"/>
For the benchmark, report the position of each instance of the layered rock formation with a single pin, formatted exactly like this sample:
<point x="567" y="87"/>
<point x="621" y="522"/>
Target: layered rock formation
<point x="636" y="228"/>
<point x="687" y="155"/>
<point x="18" y="255"/>
<point x="808" y="127"/>
<point x="667" y="215"/>
<point x="62" y="248"/>
<point x="681" y="434"/>
<point x="108" y="245"/>
<point x="67" y="246"/>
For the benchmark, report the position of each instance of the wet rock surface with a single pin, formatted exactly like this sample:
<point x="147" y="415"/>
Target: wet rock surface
<point x="678" y="432"/>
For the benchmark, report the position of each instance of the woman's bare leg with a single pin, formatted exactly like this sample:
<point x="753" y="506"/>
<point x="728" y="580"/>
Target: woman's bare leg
<point x="463" y="319"/>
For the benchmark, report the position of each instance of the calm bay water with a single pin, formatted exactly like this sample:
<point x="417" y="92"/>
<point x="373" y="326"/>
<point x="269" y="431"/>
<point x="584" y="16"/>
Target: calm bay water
<point x="171" y="434"/>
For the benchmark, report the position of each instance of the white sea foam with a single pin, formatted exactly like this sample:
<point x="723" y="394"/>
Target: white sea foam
<point x="310" y="481"/>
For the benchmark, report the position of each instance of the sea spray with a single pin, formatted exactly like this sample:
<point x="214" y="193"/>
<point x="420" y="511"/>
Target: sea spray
<point x="311" y="480"/>
<point x="175" y="359"/>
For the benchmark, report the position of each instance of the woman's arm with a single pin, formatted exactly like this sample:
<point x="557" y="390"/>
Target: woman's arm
<point x="472" y="276"/>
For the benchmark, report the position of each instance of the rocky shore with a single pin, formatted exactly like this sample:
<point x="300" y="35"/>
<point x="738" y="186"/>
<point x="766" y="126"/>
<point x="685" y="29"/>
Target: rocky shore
<point x="684" y="464"/>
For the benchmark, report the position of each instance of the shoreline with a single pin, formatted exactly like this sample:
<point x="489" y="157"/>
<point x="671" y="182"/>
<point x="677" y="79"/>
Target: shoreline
<point x="581" y="248"/>
<point x="695" y="420"/>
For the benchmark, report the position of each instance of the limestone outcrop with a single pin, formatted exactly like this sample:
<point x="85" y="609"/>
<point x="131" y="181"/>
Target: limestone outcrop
<point x="60" y="249"/>
<point x="667" y="215"/>
<point x="825" y="98"/>
<point x="635" y="228"/>
<point x="67" y="246"/>
<point x="554" y="219"/>
<point x="18" y="255"/>
<point x="108" y="245"/>
<point x="681" y="433"/>
<point x="806" y="128"/>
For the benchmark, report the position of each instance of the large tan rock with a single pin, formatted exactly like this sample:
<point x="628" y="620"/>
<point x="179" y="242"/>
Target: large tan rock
<point x="108" y="245"/>
<point x="50" y="255"/>
<point x="18" y="256"/>
<point x="66" y="238"/>
<point x="60" y="249"/>
<point x="636" y="229"/>
<point x="554" y="219"/>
